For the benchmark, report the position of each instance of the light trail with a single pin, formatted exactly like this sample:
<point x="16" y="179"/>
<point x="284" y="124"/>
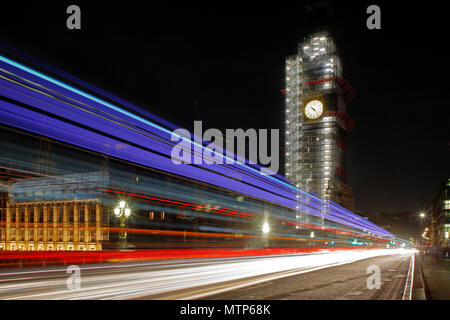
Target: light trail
<point x="407" y="292"/>
<point x="256" y="185"/>
<point x="131" y="281"/>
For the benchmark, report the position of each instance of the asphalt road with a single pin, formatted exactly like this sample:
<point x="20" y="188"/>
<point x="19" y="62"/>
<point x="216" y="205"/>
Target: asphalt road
<point x="346" y="282"/>
<point x="334" y="275"/>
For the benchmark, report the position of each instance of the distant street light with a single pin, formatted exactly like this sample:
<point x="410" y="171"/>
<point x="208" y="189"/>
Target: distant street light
<point x="422" y="215"/>
<point x="265" y="228"/>
<point x="122" y="212"/>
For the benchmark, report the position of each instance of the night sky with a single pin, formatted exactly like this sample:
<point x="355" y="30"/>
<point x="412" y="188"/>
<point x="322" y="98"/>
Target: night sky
<point x="224" y="65"/>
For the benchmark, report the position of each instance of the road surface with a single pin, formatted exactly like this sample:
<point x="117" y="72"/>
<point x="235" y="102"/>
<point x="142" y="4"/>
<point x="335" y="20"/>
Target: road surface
<point x="334" y="275"/>
<point x="346" y="282"/>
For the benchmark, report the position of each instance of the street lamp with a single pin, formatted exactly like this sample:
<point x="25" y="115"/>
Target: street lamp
<point x="265" y="228"/>
<point x="122" y="212"/>
<point x="422" y="215"/>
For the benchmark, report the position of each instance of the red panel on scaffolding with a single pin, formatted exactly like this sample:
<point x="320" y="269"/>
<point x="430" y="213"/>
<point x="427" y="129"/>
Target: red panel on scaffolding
<point x="345" y="86"/>
<point x="341" y="172"/>
<point x="341" y="145"/>
<point x="343" y="116"/>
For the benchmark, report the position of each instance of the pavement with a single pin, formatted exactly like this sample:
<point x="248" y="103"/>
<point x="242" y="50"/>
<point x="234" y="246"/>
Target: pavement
<point x="436" y="274"/>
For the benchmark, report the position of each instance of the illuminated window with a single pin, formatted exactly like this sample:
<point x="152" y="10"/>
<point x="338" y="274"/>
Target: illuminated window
<point x="446" y="204"/>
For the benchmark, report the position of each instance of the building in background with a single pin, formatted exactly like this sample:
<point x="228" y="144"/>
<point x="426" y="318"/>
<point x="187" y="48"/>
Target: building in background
<point x="3" y="204"/>
<point x="404" y="224"/>
<point x="316" y="122"/>
<point x="44" y="160"/>
<point x="440" y="217"/>
<point x="65" y="212"/>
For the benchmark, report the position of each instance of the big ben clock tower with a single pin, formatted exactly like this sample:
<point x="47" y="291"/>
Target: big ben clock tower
<point x="316" y="122"/>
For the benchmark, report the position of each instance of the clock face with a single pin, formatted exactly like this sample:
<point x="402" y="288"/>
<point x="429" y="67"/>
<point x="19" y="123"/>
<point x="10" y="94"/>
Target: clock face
<point x="313" y="109"/>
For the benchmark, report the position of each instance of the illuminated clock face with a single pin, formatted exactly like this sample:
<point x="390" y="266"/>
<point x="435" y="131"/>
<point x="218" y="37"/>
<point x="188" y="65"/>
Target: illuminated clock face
<point x="313" y="109"/>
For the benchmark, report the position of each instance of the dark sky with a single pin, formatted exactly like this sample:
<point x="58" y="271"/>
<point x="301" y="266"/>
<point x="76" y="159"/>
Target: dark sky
<point x="224" y="65"/>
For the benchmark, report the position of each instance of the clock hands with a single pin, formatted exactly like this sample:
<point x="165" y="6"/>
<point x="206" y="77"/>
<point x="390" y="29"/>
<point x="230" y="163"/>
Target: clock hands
<point x="313" y="109"/>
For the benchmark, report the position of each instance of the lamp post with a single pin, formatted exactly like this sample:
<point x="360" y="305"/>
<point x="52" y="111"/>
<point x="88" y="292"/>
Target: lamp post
<point x="265" y="234"/>
<point x="265" y="228"/>
<point x="422" y="217"/>
<point x="122" y="212"/>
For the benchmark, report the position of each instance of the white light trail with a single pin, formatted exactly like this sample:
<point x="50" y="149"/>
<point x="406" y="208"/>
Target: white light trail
<point x="132" y="281"/>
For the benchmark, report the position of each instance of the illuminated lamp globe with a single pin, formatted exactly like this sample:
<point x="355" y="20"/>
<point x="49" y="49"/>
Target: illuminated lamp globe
<point x="265" y="228"/>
